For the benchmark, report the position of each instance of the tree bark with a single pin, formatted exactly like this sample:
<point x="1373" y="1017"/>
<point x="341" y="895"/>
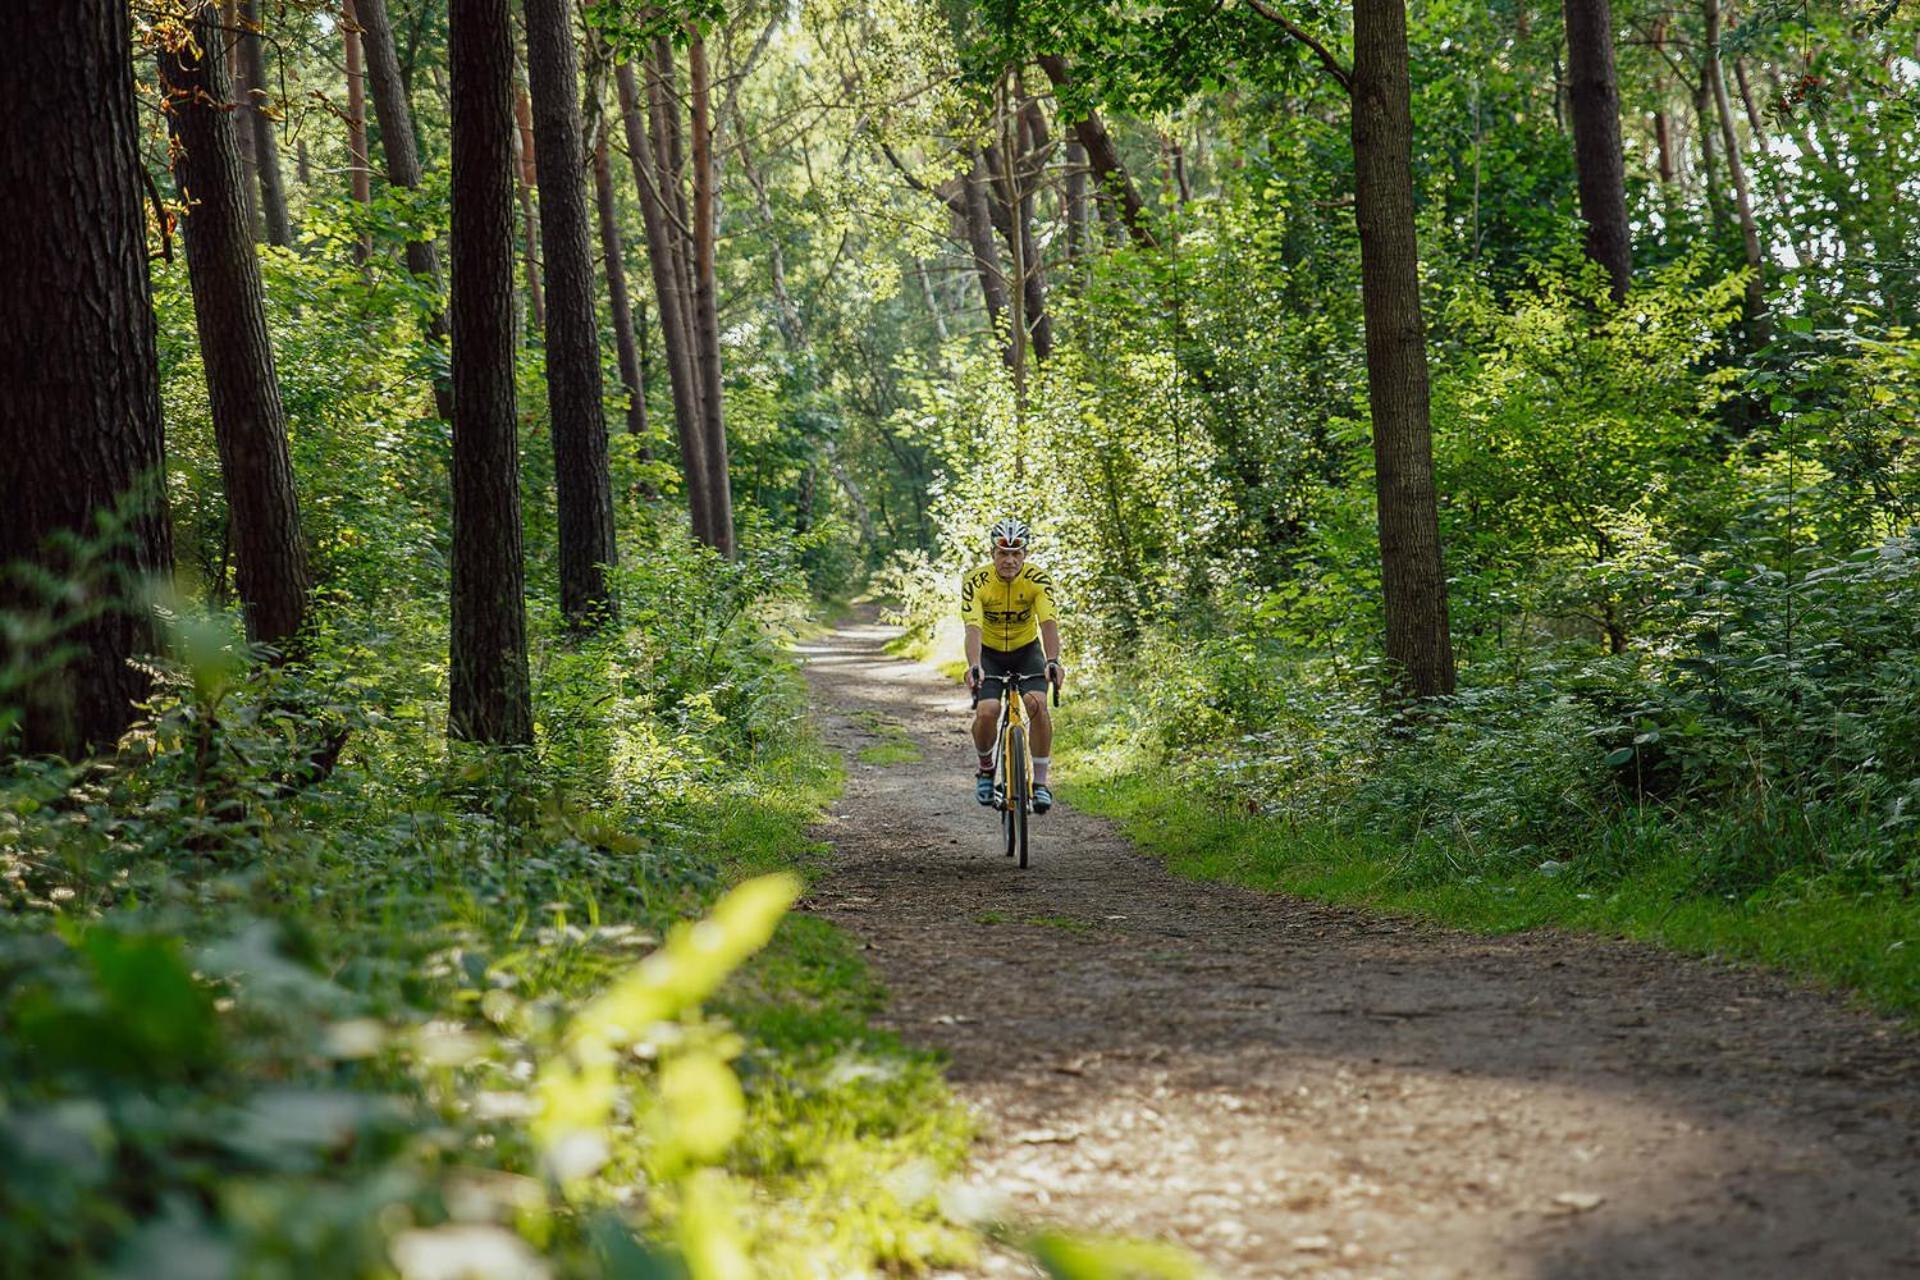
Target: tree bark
<point x="1104" y="157"/>
<point x="669" y="154"/>
<point x="1756" y="299"/>
<point x="302" y="166"/>
<point x="528" y="166"/>
<point x="620" y="303"/>
<point x="491" y="697"/>
<point x="237" y="64"/>
<point x="1595" y="97"/>
<point x="249" y="422"/>
<point x="1076" y="200"/>
<point x="1035" y="144"/>
<point x="706" y="311"/>
<point x="359" y="166"/>
<point x="583" y="484"/>
<point x="1662" y="124"/>
<point x="402" y="154"/>
<point x="1412" y="576"/>
<point x="986" y="258"/>
<point x="682" y="377"/>
<point x="257" y="90"/>
<point x="80" y="425"/>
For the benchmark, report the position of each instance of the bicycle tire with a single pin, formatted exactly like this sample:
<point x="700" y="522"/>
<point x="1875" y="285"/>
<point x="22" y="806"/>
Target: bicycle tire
<point x="1019" y="801"/>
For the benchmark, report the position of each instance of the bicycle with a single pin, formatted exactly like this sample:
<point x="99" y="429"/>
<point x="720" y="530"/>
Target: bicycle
<point x="1013" y="765"/>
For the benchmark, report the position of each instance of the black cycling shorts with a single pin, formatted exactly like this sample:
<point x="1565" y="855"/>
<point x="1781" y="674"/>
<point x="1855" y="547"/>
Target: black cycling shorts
<point x="1027" y="664"/>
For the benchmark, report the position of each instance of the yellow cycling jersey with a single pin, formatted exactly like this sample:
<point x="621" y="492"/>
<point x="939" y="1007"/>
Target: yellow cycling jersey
<point x="1008" y="614"/>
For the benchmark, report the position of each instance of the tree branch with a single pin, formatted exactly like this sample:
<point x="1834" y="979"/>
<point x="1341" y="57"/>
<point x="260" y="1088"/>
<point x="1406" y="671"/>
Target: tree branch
<point x="1327" y="60"/>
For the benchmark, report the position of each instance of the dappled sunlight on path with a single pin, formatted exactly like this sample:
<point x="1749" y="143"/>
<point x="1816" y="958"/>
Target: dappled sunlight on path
<point x="1293" y="1089"/>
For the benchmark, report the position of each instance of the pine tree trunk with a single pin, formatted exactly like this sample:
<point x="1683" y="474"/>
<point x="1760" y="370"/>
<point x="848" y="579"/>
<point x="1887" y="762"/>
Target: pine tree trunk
<point x="1662" y="123"/>
<point x="619" y="301"/>
<point x="706" y="308"/>
<point x="491" y="697"/>
<point x="80" y="425"/>
<point x="249" y="422"/>
<point x="1595" y="98"/>
<point x="1413" y="579"/>
<point x="230" y="47"/>
<point x="257" y="91"/>
<point x="583" y="484"/>
<point x="528" y="167"/>
<point x="663" y="105"/>
<point x="1756" y="300"/>
<point x="302" y="166"/>
<point x="402" y="154"/>
<point x="1108" y="171"/>
<point x="360" y="167"/>
<point x="656" y="215"/>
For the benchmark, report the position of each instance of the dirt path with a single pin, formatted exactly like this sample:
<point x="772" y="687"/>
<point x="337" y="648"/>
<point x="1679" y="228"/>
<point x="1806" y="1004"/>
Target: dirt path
<point x="1292" y="1089"/>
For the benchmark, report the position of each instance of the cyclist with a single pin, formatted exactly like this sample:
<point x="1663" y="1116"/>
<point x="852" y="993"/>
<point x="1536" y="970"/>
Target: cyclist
<point x="1007" y="608"/>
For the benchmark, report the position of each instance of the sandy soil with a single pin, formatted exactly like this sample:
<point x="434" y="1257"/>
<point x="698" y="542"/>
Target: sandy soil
<point x="1291" y="1089"/>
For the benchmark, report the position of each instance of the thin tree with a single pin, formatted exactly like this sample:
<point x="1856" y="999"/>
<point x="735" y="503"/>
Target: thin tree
<point x="1104" y="156"/>
<point x="1716" y="81"/>
<point x="359" y="167"/>
<point x="255" y="92"/>
<point x="1595" y="99"/>
<point x="401" y="152"/>
<point x="529" y="211"/>
<point x="1412" y="578"/>
<point x="249" y="422"/>
<point x="657" y="216"/>
<point x="80" y="424"/>
<point x="584" y="487"/>
<point x="632" y="363"/>
<point x="490" y="697"/>
<point x="705" y="306"/>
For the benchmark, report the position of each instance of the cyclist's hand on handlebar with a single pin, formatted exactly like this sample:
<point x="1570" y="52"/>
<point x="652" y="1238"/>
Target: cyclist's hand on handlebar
<point x="975" y="676"/>
<point x="1056" y="674"/>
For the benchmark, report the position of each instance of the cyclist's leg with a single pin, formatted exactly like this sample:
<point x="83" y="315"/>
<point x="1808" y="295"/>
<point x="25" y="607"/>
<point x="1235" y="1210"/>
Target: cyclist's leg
<point x="1040" y="742"/>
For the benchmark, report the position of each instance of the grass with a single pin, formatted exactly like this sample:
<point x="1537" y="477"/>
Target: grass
<point x="1643" y="880"/>
<point x="896" y="745"/>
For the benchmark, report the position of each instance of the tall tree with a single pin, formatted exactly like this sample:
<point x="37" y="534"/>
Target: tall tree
<point x="1104" y="156"/>
<point x="529" y="211"/>
<point x="657" y="216"/>
<point x="1716" y="82"/>
<point x="1595" y="100"/>
<point x="1413" y="579"/>
<point x="705" y="302"/>
<point x="402" y="154"/>
<point x="249" y="422"/>
<point x="255" y="92"/>
<point x="359" y="165"/>
<point x="490" y="696"/>
<point x="584" y="487"/>
<point x="632" y="363"/>
<point x="80" y="424"/>
<point x="236" y="58"/>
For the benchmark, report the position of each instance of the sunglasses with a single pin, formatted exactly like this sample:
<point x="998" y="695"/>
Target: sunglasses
<point x="1001" y="544"/>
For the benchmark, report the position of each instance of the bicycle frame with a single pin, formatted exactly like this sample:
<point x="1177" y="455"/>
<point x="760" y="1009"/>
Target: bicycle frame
<point x="1013" y="714"/>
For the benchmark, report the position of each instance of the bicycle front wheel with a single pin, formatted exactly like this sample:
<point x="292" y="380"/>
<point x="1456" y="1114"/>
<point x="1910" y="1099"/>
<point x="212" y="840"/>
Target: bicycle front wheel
<point x="1019" y="792"/>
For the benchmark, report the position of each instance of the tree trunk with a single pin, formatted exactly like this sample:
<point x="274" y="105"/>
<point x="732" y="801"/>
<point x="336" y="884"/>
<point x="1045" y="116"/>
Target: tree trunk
<point x="359" y="166"/>
<point x="402" y="154"/>
<point x="620" y="303"/>
<point x="249" y="422"/>
<point x="583" y="484"/>
<point x="1597" y="157"/>
<point x="528" y="167"/>
<point x="1075" y="212"/>
<point x="1035" y="143"/>
<point x="1104" y="157"/>
<point x="80" y="425"/>
<point x="1662" y="124"/>
<point x="1413" y="578"/>
<point x="236" y="59"/>
<point x="986" y="258"/>
<point x="706" y="311"/>
<point x="302" y="166"/>
<point x="258" y="91"/>
<point x="669" y="154"/>
<point x="491" y="697"/>
<point x="1756" y="302"/>
<point x="1754" y="121"/>
<point x="656" y="216"/>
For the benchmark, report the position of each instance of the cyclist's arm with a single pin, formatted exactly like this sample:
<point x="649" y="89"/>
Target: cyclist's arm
<point x="973" y="645"/>
<point x="1050" y="644"/>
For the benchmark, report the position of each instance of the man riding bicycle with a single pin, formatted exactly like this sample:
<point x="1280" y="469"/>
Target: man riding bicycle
<point x="1007" y="608"/>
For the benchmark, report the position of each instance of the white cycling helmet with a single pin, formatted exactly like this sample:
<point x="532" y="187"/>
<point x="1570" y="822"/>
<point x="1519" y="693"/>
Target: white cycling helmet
<point x="1009" y="533"/>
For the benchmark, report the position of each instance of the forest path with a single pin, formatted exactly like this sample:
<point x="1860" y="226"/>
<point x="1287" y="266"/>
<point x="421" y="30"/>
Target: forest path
<point x="1291" y="1089"/>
